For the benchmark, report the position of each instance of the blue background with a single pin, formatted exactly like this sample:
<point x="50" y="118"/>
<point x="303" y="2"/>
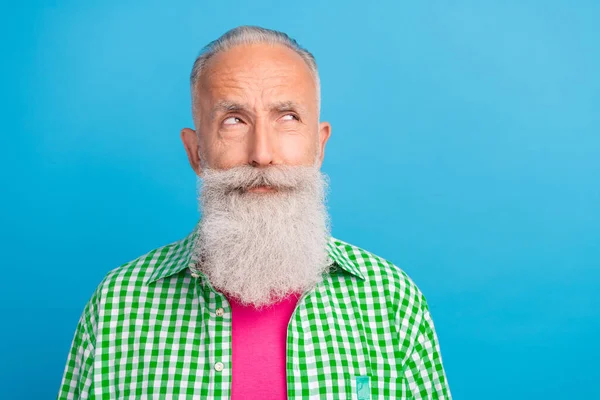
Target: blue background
<point x="465" y="149"/>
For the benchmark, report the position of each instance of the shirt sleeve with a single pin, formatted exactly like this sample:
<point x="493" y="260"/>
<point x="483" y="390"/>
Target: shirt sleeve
<point x="77" y="378"/>
<point x="424" y="371"/>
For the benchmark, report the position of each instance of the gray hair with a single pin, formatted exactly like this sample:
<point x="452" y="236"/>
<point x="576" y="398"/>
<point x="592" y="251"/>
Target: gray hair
<point x="247" y="34"/>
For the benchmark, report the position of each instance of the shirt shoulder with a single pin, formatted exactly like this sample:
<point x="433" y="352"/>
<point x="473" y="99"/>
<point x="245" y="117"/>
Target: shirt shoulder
<point x="132" y="278"/>
<point x="140" y="269"/>
<point x="135" y="275"/>
<point x="384" y="279"/>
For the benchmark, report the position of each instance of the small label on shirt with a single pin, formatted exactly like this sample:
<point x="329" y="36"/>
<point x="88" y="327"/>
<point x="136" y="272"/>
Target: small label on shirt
<point x="363" y="389"/>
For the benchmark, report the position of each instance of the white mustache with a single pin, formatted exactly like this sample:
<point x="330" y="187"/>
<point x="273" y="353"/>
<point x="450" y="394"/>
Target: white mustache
<point x="245" y="177"/>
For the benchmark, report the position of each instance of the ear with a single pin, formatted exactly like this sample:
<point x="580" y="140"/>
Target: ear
<point x="190" y="143"/>
<point x="324" y="133"/>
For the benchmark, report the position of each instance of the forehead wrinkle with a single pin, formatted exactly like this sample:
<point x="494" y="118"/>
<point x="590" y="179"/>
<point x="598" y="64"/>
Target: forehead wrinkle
<point x="284" y="76"/>
<point x="254" y="64"/>
<point x="218" y="77"/>
<point x="282" y="80"/>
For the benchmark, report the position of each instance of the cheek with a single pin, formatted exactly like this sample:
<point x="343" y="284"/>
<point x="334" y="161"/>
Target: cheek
<point x="298" y="149"/>
<point x="224" y="154"/>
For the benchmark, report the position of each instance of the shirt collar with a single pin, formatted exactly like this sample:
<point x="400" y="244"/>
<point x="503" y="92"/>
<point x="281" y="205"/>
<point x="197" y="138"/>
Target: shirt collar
<point x="179" y="256"/>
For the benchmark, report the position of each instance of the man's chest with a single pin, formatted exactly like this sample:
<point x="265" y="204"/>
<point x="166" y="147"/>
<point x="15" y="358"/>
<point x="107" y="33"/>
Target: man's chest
<point x="338" y="345"/>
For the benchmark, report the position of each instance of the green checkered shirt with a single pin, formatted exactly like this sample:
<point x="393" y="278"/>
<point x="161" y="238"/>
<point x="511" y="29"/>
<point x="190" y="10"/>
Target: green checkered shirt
<point x="156" y="329"/>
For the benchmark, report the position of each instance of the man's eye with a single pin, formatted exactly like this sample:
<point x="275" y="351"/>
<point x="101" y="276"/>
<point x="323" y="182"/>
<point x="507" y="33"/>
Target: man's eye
<point x="232" y="121"/>
<point x="289" y="117"/>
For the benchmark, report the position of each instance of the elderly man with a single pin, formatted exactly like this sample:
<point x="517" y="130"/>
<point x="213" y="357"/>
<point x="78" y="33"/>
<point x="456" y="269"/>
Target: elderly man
<point x="259" y="301"/>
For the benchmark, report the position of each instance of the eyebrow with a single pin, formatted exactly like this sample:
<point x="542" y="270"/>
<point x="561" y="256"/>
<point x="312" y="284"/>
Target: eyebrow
<point x="225" y="106"/>
<point x="286" y="106"/>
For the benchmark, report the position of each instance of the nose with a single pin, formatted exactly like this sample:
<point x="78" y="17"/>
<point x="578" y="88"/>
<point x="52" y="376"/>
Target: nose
<point x="261" y="146"/>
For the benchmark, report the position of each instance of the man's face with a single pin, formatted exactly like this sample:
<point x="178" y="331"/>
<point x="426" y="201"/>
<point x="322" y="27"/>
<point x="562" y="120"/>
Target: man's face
<point x="255" y="105"/>
<point x="258" y="146"/>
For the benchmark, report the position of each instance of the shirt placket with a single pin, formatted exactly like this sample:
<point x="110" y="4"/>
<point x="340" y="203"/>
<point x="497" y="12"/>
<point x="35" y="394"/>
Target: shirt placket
<point x="217" y="319"/>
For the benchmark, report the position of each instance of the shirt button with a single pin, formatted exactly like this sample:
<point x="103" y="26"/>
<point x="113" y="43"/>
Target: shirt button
<point x="219" y="366"/>
<point x="220" y="312"/>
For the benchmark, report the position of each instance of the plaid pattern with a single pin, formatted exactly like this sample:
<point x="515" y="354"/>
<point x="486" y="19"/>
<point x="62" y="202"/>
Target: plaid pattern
<point x="151" y="331"/>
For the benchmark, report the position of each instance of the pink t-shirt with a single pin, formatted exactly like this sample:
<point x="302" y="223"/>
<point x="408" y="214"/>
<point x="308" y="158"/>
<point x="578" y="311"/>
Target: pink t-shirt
<point x="258" y="349"/>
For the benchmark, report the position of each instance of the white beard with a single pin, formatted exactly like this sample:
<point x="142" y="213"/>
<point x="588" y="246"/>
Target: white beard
<point x="261" y="247"/>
